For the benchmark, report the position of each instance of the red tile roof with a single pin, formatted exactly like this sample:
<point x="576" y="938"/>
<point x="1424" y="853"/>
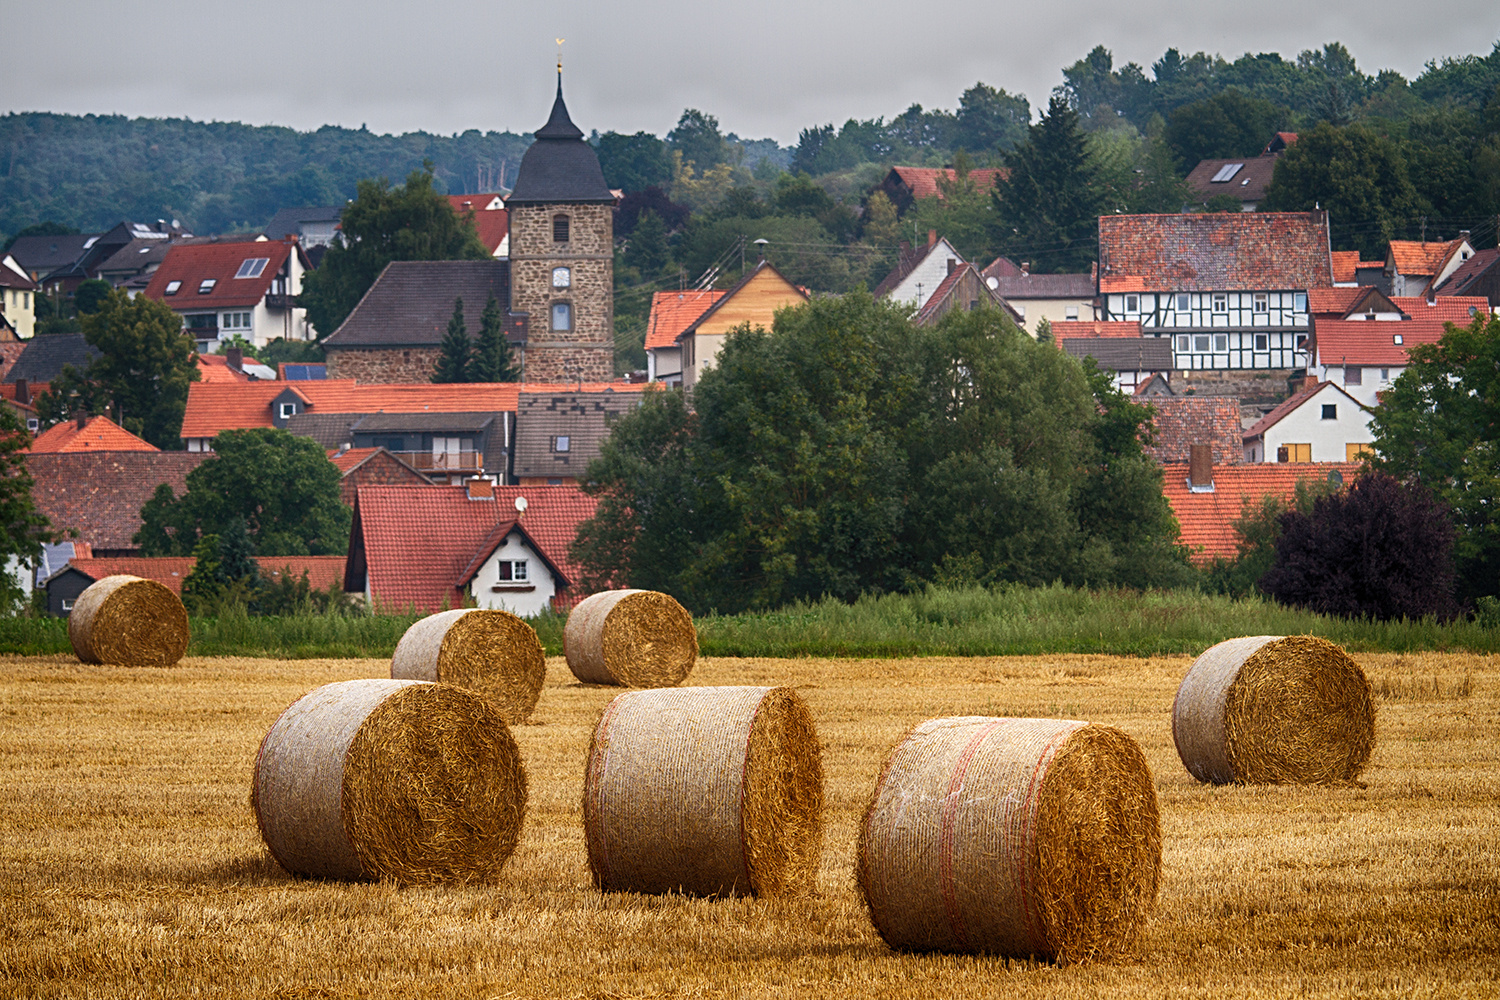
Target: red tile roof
<point x="1460" y="309"/>
<point x="1183" y="421"/>
<point x="1334" y="303"/>
<point x="1070" y="328"/>
<point x="1373" y="342"/>
<point x="417" y="542"/>
<point x="194" y="264"/>
<point x="1206" y="519"/>
<point x="347" y="460"/>
<point x="213" y="407"/>
<point x="492" y="224"/>
<point x="100" y="493"/>
<point x="98" y="434"/>
<point x="1235" y="251"/>
<point x="1414" y="258"/>
<point x="923" y="181"/>
<point x="1344" y="263"/>
<point x="215" y="368"/>
<point x="322" y="571"/>
<point x="673" y="312"/>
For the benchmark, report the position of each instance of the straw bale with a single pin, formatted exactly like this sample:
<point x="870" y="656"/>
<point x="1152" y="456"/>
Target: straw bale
<point x="714" y="791"/>
<point x="390" y="779"/>
<point x="130" y="622"/>
<point x="634" y="638"/>
<point x="492" y="652"/>
<point x="1268" y="709"/>
<point x="1020" y="837"/>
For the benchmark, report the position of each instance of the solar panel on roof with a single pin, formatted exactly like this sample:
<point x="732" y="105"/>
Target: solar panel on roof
<point x="1226" y="172"/>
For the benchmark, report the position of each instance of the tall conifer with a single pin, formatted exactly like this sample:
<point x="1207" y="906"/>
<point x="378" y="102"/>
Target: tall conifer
<point x="453" y="361"/>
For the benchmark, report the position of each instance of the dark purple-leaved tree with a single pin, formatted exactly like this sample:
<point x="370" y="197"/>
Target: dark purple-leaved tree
<point x="1380" y="549"/>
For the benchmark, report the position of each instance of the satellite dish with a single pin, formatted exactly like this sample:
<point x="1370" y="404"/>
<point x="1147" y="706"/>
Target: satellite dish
<point x="520" y="505"/>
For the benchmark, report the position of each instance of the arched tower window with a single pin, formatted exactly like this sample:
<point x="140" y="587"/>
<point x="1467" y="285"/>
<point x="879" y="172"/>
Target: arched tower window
<point x="559" y="229"/>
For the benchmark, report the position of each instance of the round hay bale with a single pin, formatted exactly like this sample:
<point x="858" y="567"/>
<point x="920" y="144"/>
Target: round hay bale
<point x="1269" y="709"/>
<point x="634" y="638"/>
<point x="492" y="652"/>
<point x="1018" y="837"/>
<point x="129" y="622"/>
<point x="385" y="779"/>
<point x="713" y="791"/>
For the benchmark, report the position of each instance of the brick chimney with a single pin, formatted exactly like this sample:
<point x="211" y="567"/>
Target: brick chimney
<point x="236" y="358"/>
<point x="1201" y="468"/>
<point x="932" y="237"/>
<point x="82" y="417"/>
<point x="23" y="391"/>
<point x="952" y="265"/>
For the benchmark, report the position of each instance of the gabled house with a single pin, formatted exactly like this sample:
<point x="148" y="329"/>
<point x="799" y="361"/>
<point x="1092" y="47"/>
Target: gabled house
<point x="1370" y="303"/>
<point x="395" y="334"/>
<point x="372" y="467"/>
<point x="1132" y="360"/>
<point x="1415" y="268"/>
<point x="86" y="433"/>
<point x="1228" y="291"/>
<point x="99" y="494"/>
<point x="491" y="221"/>
<point x="671" y="313"/>
<point x="906" y="185"/>
<point x="244" y="289"/>
<point x="62" y="263"/>
<point x="17" y="299"/>
<point x="1243" y="178"/>
<point x="1318" y="423"/>
<point x="1208" y="498"/>
<point x="1351" y="272"/>
<point x="1477" y="276"/>
<point x="919" y="271"/>
<point x="754" y="300"/>
<point x="44" y="358"/>
<point x="1183" y="421"/>
<point x="1056" y="298"/>
<point x="963" y="289"/>
<point x="1365" y="357"/>
<point x="436" y="547"/>
<point x="313" y="225"/>
<point x="39" y="256"/>
<point x="559" y="433"/>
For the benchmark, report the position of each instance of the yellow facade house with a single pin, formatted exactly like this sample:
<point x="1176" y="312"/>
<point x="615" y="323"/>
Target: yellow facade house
<point x="754" y="301"/>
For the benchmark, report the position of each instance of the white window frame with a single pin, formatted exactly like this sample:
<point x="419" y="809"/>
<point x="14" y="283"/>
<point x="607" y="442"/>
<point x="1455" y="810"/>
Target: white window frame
<point x="207" y="285"/>
<point x="288" y="410"/>
<point x="252" y="267"/>
<point x="1262" y="302"/>
<point x="1221" y="343"/>
<point x="1220" y="302"/>
<point x="1132" y="304"/>
<point x="513" y="571"/>
<point x="172" y="287"/>
<point x="562" y="443"/>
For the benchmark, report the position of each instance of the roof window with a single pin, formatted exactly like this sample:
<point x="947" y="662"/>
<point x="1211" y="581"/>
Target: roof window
<point x="1226" y="173"/>
<point x="1396" y="339"/>
<point x="207" y="285"/>
<point x="252" y="267"/>
<point x="172" y="287"/>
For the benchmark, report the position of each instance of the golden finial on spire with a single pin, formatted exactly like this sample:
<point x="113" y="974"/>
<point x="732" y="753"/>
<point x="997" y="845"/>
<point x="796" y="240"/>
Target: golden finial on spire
<point x="559" y="54"/>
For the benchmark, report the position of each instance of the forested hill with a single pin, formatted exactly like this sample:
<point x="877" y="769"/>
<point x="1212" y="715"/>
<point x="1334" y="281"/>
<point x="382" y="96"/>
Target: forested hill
<point x="92" y="171"/>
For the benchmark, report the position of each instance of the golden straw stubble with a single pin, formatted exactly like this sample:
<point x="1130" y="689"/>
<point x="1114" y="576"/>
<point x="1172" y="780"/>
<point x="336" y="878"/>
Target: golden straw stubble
<point x="406" y="781"/>
<point x="1274" y="710"/>
<point x="1020" y="837"/>
<point x="706" y="791"/>
<point x="130" y="622"/>
<point x="490" y="651"/>
<point x="634" y="638"/>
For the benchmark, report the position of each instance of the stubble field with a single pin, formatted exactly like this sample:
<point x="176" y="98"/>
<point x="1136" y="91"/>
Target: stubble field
<point x="130" y="864"/>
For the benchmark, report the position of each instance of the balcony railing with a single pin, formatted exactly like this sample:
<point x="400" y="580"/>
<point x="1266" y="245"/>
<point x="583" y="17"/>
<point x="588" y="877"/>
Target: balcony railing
<point x="280" y="300"/>
<point x="426" y="461"/>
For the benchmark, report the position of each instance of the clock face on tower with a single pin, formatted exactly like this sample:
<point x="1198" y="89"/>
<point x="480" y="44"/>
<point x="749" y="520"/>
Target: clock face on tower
<point x="562" y="277"/>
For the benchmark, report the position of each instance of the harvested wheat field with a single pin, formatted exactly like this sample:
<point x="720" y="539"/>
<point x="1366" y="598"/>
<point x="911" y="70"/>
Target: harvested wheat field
<point x="130" y="864"/>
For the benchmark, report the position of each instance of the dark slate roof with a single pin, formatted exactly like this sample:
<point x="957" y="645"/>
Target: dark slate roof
<point x="288" y="221"/>
<point x="1248" y="183"/>
<point x="1469" y="271"/>
<point x="411" y="302"/>
<point x="424" y="423"/>
<point x="100" y="493"/>
<point x="330" y="430"/>
<point x="1043" y="286"/>
<point x="40" y="255"/>
<point x="559" y="166"/>
<point x="1124" y="354"/>
<point x="44" y="357"/>
<point x="585" y="418"/>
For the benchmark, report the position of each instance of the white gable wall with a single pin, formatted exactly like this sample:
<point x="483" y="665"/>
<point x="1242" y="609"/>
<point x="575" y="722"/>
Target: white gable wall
<point x="528" y="598"/>
<point x="917" y="287"/>
<point x="1329" y="437"/>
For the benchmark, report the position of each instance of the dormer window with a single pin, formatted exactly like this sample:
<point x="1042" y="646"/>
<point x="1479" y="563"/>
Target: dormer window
<point x="288" y="410"/>
<point x="172" y="287"/>
<point x="252" y="268"/>
<point x="207" y="285"/>
<point x="559" y="229"/>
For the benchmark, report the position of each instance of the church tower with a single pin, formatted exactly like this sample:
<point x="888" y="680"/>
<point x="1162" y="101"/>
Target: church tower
<point x="562" y="239"/>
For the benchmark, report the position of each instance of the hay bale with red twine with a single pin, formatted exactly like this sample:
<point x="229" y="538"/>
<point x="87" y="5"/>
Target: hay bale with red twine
<point x="130" y="622"/>
<point x="404" y="781"/>
<point x="714" y="791"/>
<point x="1019" y="837"/>
<point x="633" y="638"/>
<point x="493" y="652"/>
<point x="1269" y="709"/>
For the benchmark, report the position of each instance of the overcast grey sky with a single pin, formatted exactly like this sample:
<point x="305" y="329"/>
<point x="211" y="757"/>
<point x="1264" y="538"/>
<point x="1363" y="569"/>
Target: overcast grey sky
<point x="764" y="69"/>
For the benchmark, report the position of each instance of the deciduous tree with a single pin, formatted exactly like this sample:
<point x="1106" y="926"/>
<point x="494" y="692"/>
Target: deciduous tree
<point x="23" y="528"/>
